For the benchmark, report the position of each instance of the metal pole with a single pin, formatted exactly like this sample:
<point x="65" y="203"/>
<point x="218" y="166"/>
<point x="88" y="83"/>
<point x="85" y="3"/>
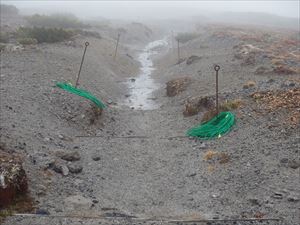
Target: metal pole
<point x="178" y="50"/>
<point x="117" y="46"/>
<point x="217" y="68"/>
<point x="86" y="45"/>
<point x="173" y="48"/>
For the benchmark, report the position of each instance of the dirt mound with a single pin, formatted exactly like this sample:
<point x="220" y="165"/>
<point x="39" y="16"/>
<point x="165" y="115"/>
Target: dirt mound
<point x="176" y="86"/>
<point x="196" y="104"/>
<point x="13" y="180"/>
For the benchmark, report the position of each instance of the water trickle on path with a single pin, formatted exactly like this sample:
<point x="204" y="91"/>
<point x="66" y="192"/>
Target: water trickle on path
<point x="142" y="88"/>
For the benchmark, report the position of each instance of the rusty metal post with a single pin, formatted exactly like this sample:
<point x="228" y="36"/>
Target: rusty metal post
<point x="172" y="38"/>
<point x="86" y="45"/>
<point x="117" y="46"/>
<point x="178" y="51"/>
<point x="217" y="68"/>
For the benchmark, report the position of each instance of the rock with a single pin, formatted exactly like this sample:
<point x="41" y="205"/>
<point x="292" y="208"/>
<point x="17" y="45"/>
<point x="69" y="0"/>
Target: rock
<point x="294" y="164"/>
<point x="60" y="167"/>
<point x="60" y="136"/>
<point x="293" y="198"/>
<point x="277" y="195"/>
<point x="177" y="86"/>
<point x="77" y="202"/>
<point x="132" y="80"/>
<point x="74" y="168"/>
<point x="42" y="212"/>
<point x="254" y="201"/>
<point x="64" y="170"/>
<point x="95" y="201"/>
<point x="192" y="59"/>
<point x="70" y="156"/>
<point x="96" y="158"/>
<point x="284" y="160"/>
<point x="202" y="146"/>
<point x="196" y="104"/>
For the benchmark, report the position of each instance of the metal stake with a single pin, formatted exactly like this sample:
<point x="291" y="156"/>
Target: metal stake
<point x="178" y="50"/>
<point x="86" y="45"/>
<point x="217" y="68"/>
<point x="117" y="46"/>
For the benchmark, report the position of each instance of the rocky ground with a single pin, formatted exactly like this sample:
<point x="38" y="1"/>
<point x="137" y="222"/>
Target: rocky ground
<point x="136" y="163"/>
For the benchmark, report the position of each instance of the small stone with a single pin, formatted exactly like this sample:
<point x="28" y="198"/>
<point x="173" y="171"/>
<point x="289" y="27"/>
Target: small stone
<point x="59" y="167"/>
<point x="254" y="201"/>
<point x="74" y="168"/>
<point x="277" y="195"/>
<point x="42" y="212"/>
<point x="109" y="101"/>
<point x="70" y="156"/>
<point x="294" y="164"/>
<point x="202" y="146"/>
<point x="65" y="170"/>
<point x="95" y="201"/>
<point x="293" y="198"/>
<point x="60" y="136"/>
<point x="96" y="158"/>
<point x="284" y="160"/>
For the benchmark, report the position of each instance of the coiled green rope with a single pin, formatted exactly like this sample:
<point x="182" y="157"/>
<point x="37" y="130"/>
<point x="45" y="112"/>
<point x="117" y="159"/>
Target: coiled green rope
<point x="83" y="93"/>
<point x="216" y="127"/>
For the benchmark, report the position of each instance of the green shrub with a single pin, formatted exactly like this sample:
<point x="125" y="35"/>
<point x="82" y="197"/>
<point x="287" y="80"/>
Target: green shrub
<point x="42" y="34"/>
<point x="185" y="37"/>
<point x="27" y="41"/>
<point x="4" y="38"/>
<point x="55" y="21"/>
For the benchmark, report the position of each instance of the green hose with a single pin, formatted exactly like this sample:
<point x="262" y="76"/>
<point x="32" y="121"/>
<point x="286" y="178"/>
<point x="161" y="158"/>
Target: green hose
<point x="216" y="127"/>
<point x="83" y="93"/>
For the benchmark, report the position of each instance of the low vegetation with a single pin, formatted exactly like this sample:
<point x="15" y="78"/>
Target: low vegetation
<point x="225" y="107"/>
<point x="65" y="21"/>
<point x="4" y="38"/>
<point x="27" y="41"/>
<point x="185" y="37"/>
<point x="42" y="34"/>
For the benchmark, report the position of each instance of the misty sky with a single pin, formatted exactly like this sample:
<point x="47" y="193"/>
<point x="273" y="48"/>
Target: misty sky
<point x="155" y="9"/>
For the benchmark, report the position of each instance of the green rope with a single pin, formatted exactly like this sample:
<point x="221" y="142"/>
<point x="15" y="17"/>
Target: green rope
<point x="83" y="93"/>
<point x="216" y="127"/>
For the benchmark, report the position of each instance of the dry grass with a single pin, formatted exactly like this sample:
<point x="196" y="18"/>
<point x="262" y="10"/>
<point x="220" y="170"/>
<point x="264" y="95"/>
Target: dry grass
<point x="274" y="101"/>
<point x="214" y="156"/>
<point x="249" y="84"/>
<point x="225" y="107"/>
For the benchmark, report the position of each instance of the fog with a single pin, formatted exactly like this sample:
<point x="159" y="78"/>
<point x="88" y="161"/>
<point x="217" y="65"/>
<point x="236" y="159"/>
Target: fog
<point x="145" y="10"/>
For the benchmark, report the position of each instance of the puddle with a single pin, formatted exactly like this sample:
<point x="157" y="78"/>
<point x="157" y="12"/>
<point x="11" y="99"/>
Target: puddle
<point x="142" y="86"/>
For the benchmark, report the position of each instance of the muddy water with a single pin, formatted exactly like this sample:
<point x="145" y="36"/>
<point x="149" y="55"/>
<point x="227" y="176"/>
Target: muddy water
<point x="142" y="87"/>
